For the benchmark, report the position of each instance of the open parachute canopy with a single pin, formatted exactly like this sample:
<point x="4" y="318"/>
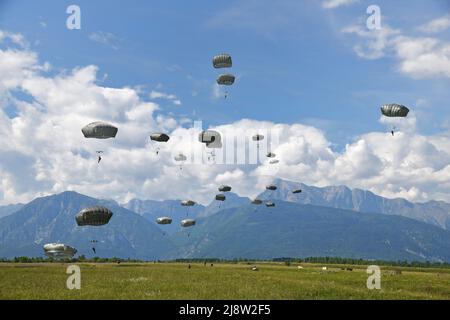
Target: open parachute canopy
<point x="258" y="137"/>
<point x="224" y="188"/>
<point x="93" y="216"/>
<point x="394" y="110"/>
<point x="164" y="220"/>
<point x="222" y="61"/>
<point x="180" y="157"/>
<point x="211" y="138"/>
<point x="220" y="197"/>
<point x="257" y="201"/>
<point x="59" y="251"/>
<point x="226" y="79"/>
<point x="187" y="203"/>
<point x="159" y="137"/>
<point x="99" y="130"/>
<point x="187" y="223"/>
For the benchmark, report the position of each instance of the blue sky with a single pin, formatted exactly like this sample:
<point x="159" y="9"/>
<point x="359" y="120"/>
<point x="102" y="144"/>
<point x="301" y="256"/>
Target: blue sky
<point x="296" y="62"/>
<point x="293" y="63"/>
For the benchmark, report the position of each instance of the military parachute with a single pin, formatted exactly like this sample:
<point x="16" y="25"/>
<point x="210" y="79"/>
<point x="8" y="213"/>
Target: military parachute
<point x="226" y="79"/>
<point x="187" y="223"/>
<point x="180" y="158"/>
<point x="59" y="251"/>
<point x="222" y="61"/>
<point x="99" y="130"/>
<point x="257" y="201"/>
<point x="220" y="197"/>
<point x="93" y="216"/>
<point x="164" y="220"/>
<point x="224" y="188"/>
<point x="270" y="204"/>
<point x="159" y="137"/>
<point x="394" y="110"/>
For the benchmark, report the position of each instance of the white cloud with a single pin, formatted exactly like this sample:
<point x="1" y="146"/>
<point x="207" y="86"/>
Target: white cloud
<point x="42" y="150"/>
<point x="436" y="25"/>
<point x="162" y="95"/>
<point x="106" y="38"/>
<point x="418" y="57"/>
<point x="332" y="4"/>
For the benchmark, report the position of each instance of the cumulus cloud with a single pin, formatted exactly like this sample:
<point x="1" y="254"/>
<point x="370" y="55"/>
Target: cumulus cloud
<point x="162" y="95"/>
<point x="42" y="150"/>
<point x="436" y="25"/>
<point x="418" y="57"/>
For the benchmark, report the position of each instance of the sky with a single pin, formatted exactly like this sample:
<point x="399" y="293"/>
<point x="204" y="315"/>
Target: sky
<point x="311" y="74"/>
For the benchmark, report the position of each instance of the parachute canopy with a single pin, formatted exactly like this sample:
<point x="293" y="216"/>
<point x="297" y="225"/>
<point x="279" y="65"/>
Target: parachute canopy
<point x="187" y="223"/>
<point x="222" y="61"/>
<point x="226" y="79"/>
<point x="394" y="110"/>
<point x="271" y="187"/>
<point x="159" y="137"/>
<point x="220" y="197"/>
<point x="59" y="251"/>
<point x="99" y="130"/>
<point x="256" y="201"/>
<point x="93" y="216"/>
<point x="297" y="191"/>
<point x="180" y="157"/>
<point x="270" y="204"/>
<point x="211" y="138"/>
<point x="258" y="137"/>
<point x="187" y="203"/>
<point x="224" y="188"/>
<point x="164" y="220"/>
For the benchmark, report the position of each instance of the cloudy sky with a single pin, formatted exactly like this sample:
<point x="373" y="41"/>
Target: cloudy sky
<point x="311" y="74"/>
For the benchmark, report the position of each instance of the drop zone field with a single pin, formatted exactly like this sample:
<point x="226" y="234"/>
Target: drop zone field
<point x="220" y="281"/>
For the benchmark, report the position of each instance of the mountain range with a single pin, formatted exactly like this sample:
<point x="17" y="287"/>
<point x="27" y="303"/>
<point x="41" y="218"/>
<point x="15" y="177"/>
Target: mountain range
<point x="330" y="221"/>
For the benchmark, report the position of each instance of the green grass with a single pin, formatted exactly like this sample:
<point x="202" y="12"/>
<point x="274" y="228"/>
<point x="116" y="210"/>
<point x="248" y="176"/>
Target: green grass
<point x="223" y="281"/>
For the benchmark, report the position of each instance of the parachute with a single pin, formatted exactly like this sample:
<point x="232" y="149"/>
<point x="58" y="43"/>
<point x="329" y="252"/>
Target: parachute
<point x="180" y="157"/>
<point x="159" y="137"/>
<point x="164" y="220"/>
<point x="93" y="216"/>
<point x="59" y="251"/>
<point x="211" y="138"/>
<point x="258" y="137"/>
<point x="220" y="197"/>
<point x="226" y="79"/>
<point x="187" y="223"/>
<point x="99" y="130"/>
<point x="271" y="187"/>
<point x="224" y="188"/>
<point x="257" y="201"/>
<point x="297" y="191"/>
<point x="187" y="203"/>
<point x="222" y="61"/>
<point x="394" y="110"/>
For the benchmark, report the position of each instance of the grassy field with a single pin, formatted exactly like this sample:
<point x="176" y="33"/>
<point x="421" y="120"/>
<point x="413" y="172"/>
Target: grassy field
<point x="222" y="281"/>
